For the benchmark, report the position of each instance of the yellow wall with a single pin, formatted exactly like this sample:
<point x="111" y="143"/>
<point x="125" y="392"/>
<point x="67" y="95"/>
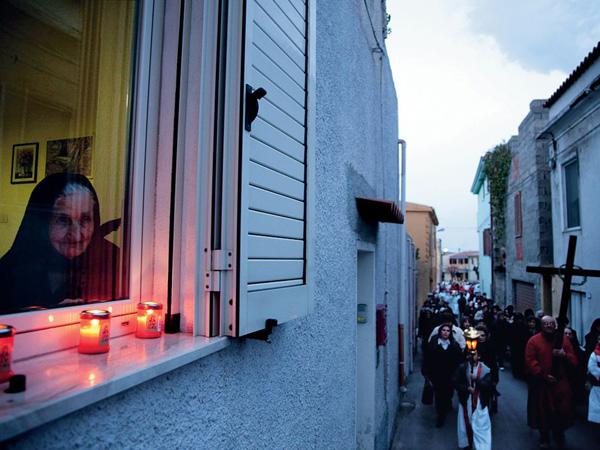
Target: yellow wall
<point x="68" y="79"/>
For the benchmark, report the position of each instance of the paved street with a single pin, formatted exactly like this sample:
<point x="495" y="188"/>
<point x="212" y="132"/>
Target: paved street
<point x="416" y="428"/>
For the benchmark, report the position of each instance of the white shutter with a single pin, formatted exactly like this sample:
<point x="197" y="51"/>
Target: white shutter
<point x="274" y="192"/>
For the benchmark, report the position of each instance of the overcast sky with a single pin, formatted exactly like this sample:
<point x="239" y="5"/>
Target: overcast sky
<point x="465" y="72"/>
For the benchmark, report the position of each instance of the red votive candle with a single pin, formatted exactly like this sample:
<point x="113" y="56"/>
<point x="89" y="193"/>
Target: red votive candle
<point x="7" y="341"/>
<point x="94" y="333"/>
<point x="149" y="320"/>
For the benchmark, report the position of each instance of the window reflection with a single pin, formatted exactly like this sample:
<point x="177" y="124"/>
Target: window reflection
<point x="66" y="71"/>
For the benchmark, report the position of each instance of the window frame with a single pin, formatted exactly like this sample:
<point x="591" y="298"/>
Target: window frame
<point x="571" y="159"/>
<point x="42" y="332"/>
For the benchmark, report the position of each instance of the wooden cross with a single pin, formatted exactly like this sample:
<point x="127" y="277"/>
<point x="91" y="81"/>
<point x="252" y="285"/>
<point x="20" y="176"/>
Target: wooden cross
<point x="567" y="272"/>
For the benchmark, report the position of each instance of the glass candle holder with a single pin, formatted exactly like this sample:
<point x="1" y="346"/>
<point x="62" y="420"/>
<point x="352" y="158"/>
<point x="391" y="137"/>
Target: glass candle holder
<point x="94" y="332"/>
<point x="7" y="341"/>
<point x="149" y="320"/>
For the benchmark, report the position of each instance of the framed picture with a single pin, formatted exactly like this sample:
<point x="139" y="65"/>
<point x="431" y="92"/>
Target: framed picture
<point x="74" y="155"/>
<point x="24" y="163"/>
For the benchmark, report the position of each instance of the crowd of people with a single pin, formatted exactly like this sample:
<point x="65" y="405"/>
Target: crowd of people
<point x="560" y="374"/>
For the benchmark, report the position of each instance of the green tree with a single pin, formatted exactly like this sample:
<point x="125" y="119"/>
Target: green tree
<point x="496" y="166"/>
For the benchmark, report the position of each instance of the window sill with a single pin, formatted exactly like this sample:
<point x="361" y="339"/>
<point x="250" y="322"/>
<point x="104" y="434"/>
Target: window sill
<point x="63" y="382"/>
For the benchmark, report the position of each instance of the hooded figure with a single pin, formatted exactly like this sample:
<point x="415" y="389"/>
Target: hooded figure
<point x="59" y="255"/>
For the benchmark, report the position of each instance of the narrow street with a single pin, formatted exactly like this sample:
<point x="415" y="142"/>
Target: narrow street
<point x="416" y="430"/>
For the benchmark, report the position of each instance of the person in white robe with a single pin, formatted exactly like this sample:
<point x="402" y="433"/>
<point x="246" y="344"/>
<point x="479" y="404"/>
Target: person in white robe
<point x="474" y="385"/>
<point x="594" y="371"/>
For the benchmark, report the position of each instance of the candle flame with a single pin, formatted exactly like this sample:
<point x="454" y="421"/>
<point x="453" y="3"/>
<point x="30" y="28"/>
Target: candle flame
<point x="95" y="323"/>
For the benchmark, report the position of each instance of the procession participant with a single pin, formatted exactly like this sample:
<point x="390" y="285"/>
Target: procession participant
<point x="457" y="334"/>
<point x="473" y="383"/>
<point x="442" y="356"/>
<point x="594" y="371"/>
<point x="549" y="396"/>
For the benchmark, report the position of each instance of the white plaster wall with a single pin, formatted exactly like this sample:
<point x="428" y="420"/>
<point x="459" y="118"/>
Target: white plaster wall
<point x="299" y="391"/>
<point x="585" y="137"/>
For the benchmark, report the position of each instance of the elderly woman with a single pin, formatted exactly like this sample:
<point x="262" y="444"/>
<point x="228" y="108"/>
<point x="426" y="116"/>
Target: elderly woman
<point x="442" y="356"/>
<point x="59" y="255"/>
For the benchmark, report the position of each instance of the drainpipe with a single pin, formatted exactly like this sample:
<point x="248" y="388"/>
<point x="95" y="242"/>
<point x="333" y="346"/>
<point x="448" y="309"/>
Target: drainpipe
<point x="403" y="307"/>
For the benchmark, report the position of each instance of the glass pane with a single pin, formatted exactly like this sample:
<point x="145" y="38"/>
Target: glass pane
<point x="66" y="71"/>
<point x="572" y="194"/>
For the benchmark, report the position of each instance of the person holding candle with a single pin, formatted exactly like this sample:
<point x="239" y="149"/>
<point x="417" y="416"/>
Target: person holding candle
<point x="59" y="255"/>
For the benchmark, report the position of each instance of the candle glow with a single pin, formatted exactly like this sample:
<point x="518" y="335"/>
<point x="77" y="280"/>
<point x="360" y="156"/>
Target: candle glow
<point x="149" y="320"/>
<point x="94" y="333"/>
<point x="7" y="339"/>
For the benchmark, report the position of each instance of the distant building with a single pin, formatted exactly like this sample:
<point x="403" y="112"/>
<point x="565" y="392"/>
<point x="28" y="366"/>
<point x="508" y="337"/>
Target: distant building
<point x="480" y="188"/>
<point x="463" y="266"/>
<point x="421" y="221"/>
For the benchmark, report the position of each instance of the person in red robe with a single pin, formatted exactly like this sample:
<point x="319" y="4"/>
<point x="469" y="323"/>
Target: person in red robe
<point x="549" y="398"/>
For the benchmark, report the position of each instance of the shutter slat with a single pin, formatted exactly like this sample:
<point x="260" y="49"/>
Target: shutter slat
<point x="279" y="98"/>
<point x="274" y="248"/>
<point x="273" y="181"/>
<point x="265" y="132"/>
<point x="270" y="225"/>
<point x="281" y="77"/>
<point x="295" y="16"/>
<point x="274" y="285"/>
<point x="274" y="159"/>
<point x="291" y="62"/>
<point x="274" y="270"/>
<point x="269" y="202"/>
<point x="269" y="113"/>
<point x="270" y="18"/>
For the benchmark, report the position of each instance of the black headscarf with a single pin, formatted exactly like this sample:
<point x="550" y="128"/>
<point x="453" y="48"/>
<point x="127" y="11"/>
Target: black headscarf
<point x="34" y="274"/>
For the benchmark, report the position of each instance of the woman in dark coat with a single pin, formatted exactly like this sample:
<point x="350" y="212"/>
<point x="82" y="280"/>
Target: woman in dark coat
<point x="519" y="335"/>
<point x="59" y="255"/>
<point x="577" y="375"/>
<point x="592" y="337"/>
<point x="442" y="357"/>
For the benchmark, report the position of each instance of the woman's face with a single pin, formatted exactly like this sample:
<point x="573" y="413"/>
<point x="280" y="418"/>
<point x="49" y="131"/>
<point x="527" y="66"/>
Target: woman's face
<point x="482" y="336"/>
<point x="568" y="333"/>
<point x="445" y="332"/>
<point x="72" y="224"/>
<point x="531" y="324"/>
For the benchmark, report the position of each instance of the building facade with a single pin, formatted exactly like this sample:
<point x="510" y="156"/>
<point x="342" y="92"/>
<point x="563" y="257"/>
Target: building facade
<point x="239" y="159"/>
<point x="480" y="188"/>
<point x="421" y="223"/>
<point x="572" y="140"/>
<point x="528" y="216"/>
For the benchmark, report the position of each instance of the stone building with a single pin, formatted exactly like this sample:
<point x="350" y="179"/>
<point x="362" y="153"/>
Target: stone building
<point x="232" y="139"/>
<point x="528" y="215"/>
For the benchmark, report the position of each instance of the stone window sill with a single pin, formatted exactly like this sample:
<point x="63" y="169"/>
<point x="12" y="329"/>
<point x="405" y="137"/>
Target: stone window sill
<point x="63" y="382"/>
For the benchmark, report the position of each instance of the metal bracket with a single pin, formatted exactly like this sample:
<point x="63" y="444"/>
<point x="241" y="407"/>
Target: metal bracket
<point x="263" y="335"/>
<point x="221" y="261"/>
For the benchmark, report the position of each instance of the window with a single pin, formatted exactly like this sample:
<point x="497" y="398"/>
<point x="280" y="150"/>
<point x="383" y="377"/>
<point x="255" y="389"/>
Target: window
<point x="518" y="215"/>
<point x="571" y="196"/>
<point x="66" y="125"/>
<point x="487" y="242"/>
<point x="214" y="210"/>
